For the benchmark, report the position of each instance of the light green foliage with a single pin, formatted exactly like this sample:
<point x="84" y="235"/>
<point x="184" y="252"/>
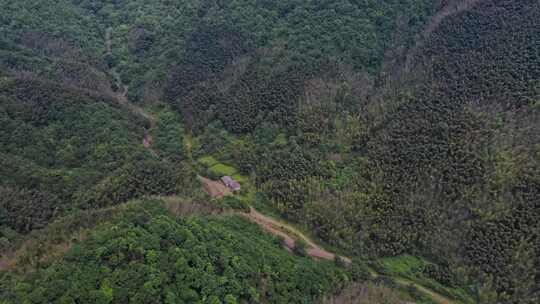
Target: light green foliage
<point x="419" y="270"/>
<point x="169" y="138"/>
<point x="149" y="256"/>
<point x="207" y="161"/>
<point x="403" y="264"/>
<point x="219" y="170"/>
<point x="240" y="178"/>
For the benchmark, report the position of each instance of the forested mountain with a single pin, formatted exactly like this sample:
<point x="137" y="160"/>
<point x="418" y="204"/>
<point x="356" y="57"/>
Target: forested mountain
<point x="404" y="134"/>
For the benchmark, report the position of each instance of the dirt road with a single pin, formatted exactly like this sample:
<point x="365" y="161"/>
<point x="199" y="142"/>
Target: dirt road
<point x="285" y="231"/>
<point x="291" y="235"/>
<point x="215" y="189"/>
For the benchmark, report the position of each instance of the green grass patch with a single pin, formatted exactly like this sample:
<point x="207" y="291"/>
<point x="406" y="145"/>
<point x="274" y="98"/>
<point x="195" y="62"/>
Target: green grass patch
<point x="219" y="170"/>
<point x="402" y="265"/>
<point x="456" y="293"/>
<point x="207" y="161"/>
<point x="215" y="169"/>
<point x="240" y="178"/>
<point x="411" y="267"/>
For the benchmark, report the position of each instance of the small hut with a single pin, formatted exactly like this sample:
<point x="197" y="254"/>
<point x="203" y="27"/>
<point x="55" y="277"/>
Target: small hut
<point x="231" y="183"/>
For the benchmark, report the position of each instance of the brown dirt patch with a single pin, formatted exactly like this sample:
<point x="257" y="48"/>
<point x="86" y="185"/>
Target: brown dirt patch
<point x="214" y="188"/>
<point x="282" y="230"/>
<point x="147" y="141"/>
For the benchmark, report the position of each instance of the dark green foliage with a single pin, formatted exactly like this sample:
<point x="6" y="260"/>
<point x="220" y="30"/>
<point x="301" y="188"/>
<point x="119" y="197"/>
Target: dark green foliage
<point x="441" y="274"/>
<point x="60" y="140"/>
<point x="359" y="271"/>
<point x="284" y="175"/>
<point x="25" y="210"/>
<point x="169" y="137"/>
<point x="339" y="262"/>
<point x="141" y="178"/>
<point x="445" y="147"/>
<point x="489" y="62"/>
<point x="440" y="161"/>
<point x="149" y="257"/>
<point x="234" y="203"/>
<point x="440" y="146"/>
<point x="247" y="62"/>
<point x="300" y="248"/>
<point x="244" y="156"/>
<point x="258" y="96"/>
<point x="445" y="165"/>
<point x="198" y="107"/>
<point x="30" y="24"/>
<point x="385" y="281"/>
<point x="289" y="163"/>
<point x="504" y="247"/>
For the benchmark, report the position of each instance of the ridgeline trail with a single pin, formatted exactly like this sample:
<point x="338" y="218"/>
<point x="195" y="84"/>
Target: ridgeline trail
<point x="121" y="96"/>
<point x="290" y="235"/>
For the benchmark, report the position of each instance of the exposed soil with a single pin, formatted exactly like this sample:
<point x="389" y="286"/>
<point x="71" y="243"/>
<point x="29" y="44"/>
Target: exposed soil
<point x="285" y="231"/>
<point x="214" y="188"/>
<point x="121" y="96"/>
<point x="147" y="141"/>
<point x="290" y="235"/>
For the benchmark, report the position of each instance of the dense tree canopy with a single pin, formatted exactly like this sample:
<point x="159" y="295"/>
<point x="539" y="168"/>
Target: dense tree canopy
<point x="150" y="257"/>
<point x="386" y="128"/>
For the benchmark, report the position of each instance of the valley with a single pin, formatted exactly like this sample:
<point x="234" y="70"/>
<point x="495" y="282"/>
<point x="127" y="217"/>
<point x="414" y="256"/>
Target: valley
<point x="250" y="151"/>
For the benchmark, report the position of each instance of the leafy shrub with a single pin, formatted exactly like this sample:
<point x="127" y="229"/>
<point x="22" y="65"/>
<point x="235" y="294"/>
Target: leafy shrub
<point x="360" y="271"/>
<point x="385" y="281"/>
<point x="207" y="161"/>
<point x="146" y="177"/>
<point x="169" y="137"/>
<point x="148" y="256"/>
<point x="235" y="203"/>
<point x="339" y="261"/>
<point x="441" y="274"/>
<point x="300" y="248"/>
<point x="25" y="210"/>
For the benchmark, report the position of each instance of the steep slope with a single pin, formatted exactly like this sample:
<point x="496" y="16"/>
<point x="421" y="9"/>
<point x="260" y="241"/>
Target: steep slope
<point x="148" y="256"/>
<point x="389" y="129"/>
<point x="455" y="157"/>
<point x="65" y="132"/>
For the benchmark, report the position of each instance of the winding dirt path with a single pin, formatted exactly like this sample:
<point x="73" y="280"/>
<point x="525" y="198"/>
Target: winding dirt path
<point x="438" y="298"/>
<point x="287" y="232"/>
<point x="451" y="9"/>
<point x="121" y="96"/>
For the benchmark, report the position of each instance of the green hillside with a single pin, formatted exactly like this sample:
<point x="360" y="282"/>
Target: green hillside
<point x="402" y="134"/>
<point x="149" y="256"/>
